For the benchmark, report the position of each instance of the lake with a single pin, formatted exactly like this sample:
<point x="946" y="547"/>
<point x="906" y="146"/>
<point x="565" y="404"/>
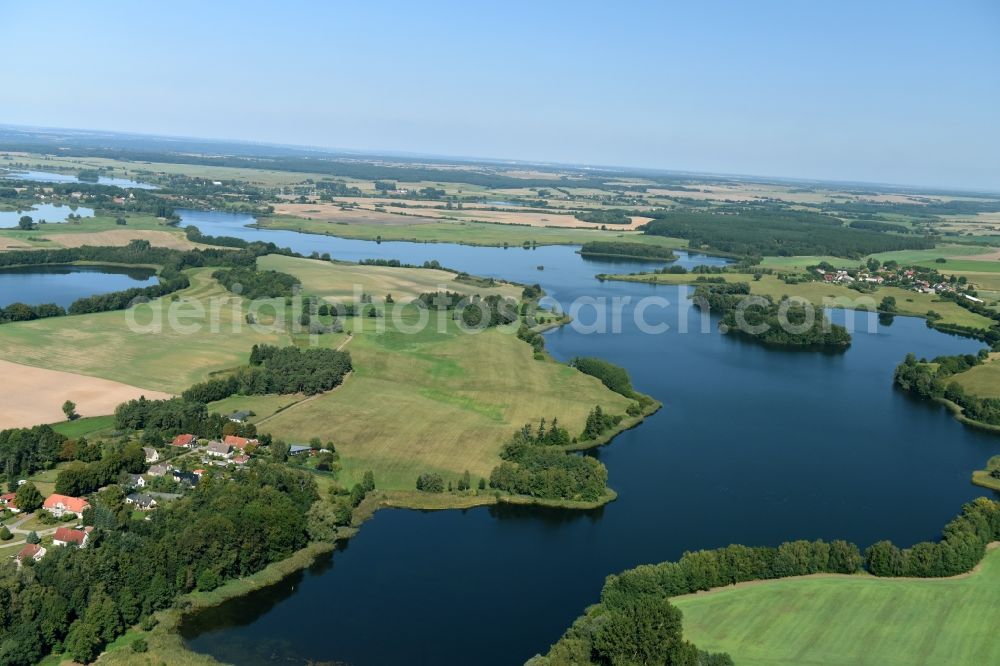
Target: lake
<point x="47" y="212"/>
<point x="752" y="446"/>
<point x="53" y="177"/>
<point x="62" y="285"/>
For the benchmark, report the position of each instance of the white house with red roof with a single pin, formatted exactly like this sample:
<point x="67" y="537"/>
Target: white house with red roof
<point x="186" y="441"/>
<point x="31" y="551"/>
<point x="240" y="443"/>
<point x="7" y="502"/>
<point x="67" y="536"/>
<point x="61" y="505"/>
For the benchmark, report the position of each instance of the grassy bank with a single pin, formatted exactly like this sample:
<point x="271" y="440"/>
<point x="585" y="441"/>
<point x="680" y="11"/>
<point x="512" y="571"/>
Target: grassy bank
<point x="852" y="620"/>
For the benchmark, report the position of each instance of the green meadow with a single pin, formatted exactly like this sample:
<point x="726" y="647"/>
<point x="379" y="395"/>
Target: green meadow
<point x="466" y="233"/>
<point x="158" y="356"/>
<point x="852" y="620"/>
<point x="440" y="400"/>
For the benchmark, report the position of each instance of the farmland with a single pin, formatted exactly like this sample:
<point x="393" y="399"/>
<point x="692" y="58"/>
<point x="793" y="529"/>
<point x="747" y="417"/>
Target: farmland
<point x="852" y="620"/>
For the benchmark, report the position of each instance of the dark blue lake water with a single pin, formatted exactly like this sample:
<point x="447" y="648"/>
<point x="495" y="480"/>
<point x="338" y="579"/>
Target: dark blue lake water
<point x="752" y="446"/>
<point x="62" y="285"/>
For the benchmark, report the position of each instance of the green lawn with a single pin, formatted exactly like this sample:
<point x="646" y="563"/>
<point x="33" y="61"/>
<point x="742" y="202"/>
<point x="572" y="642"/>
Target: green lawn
<point x="437" y="402"/>
<point x="261" y="405"/>
<point x="342" y="282"/>
<point x="102" y="344"/>
<point x="84" y="426"/>
<point x="852" y="620"/>
<point x="468" y="233"/>
<point x="982" y="380"/>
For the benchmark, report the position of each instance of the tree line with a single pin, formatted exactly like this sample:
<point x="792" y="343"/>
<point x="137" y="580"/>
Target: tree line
<point x="634" y="621"/>
<point x="786" y="324"/>
<point x="251" y="283"/>
<point x="627" y="250"/>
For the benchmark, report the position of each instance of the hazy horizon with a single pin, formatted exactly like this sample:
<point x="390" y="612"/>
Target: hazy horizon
<point x="899" y="93"/>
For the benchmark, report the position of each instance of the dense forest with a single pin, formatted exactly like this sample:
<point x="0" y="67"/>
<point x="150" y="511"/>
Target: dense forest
<point x="24" y="451"/>
<point x="756" y="232"/>
<point x="786" y="324"/>
<point x="251" y="283"/>
<point x="634" y="622"/>
<point x="627" y="250"/>
<point x="80" y="599"/>
<point x="280" y="370"/>
<point x="612" y="216"/>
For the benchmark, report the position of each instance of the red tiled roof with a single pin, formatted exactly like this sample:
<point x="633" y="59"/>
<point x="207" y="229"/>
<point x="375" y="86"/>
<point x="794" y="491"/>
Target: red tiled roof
<point x="184" y="440"/>
<point x="8" y="498"/>
<point x="29" y="551"/>
<point x="238" y="442"/>
<point x="68" y="535"/>
<point x="74" y="504"/>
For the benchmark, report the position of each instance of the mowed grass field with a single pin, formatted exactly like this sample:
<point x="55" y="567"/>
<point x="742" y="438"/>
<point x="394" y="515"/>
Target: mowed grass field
<point x="982" y="380"/>
<point x="907" y="302"/>
<point x="852" y="620"/>
<point x="467" y="233"/>
<point x="343" y="282"/>
<point x="165" y="357"/>
<point x="437" y="402"/>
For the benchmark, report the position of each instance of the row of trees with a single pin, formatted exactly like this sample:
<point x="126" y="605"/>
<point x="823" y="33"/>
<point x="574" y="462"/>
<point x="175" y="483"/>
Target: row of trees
<point x="630" y="250"/>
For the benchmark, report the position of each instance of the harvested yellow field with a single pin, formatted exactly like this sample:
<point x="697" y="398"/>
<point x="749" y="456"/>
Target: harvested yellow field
<point x="35" y="395"/>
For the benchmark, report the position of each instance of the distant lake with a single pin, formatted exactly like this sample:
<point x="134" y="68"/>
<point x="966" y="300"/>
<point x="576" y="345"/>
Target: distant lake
<point x="47" y="212"/>
<point x="752" y="446"/>
<point x="62" y="285"/>
<point x="52" y="177"/>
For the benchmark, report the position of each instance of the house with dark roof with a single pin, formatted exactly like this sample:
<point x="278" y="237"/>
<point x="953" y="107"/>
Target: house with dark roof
<point x="141" y="501"/>
<point x="186" y="477"/>
<point x="134" y="481"/>
<point x="239" y="417"/>
<point x="219" y="449"/>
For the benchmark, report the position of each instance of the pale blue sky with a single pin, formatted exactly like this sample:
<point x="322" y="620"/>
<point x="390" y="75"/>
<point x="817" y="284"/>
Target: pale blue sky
<point x="901" y="92"/>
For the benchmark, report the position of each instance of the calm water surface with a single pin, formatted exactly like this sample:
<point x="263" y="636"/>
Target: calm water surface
<point x="62" y="285"/>
<point x="52" y="177"/>
<point x="40" y="212"/>
<point x="752" y="446"/>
